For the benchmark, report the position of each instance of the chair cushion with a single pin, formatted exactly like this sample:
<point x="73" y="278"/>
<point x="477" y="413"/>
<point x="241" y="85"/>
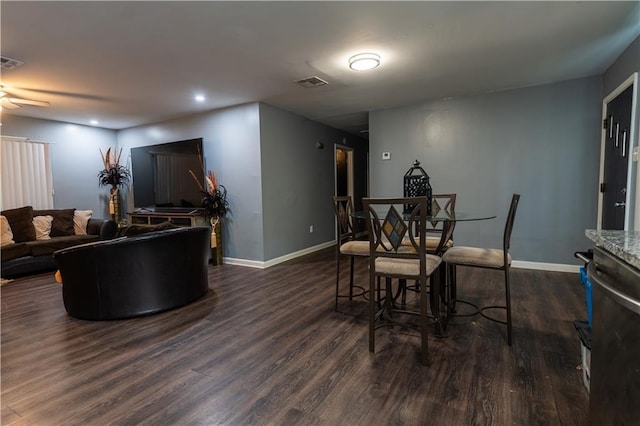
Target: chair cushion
<point x="431" y="243"/>
<point x="13" y="251"/>
<point x="47" y="247"/>
<point x="406" y="267"/>
<point x="355" y="248"/>
<point x="475" y="256"/>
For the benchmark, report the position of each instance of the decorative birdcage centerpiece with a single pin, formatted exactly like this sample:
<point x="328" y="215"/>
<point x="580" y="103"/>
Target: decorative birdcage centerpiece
<point x="416" y="184"/>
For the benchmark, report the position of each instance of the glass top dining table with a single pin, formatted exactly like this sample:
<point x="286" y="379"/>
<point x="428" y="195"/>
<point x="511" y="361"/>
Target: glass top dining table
<point x="440" y="216"/>
<point x="448" y="219"/>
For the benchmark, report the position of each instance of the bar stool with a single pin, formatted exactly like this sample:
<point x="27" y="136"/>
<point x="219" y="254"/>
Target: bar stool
<point x="347" y="245"/>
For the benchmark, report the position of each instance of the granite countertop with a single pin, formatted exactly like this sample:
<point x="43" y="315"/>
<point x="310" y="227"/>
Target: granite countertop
<point x="624" y="244"/>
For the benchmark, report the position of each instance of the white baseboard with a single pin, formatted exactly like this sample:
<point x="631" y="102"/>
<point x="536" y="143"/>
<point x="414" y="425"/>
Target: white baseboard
<point x="521" y="264"/>
<point x="540" y="266"/>
<point x="277" y="260"/>
<point x="243" y="262"/>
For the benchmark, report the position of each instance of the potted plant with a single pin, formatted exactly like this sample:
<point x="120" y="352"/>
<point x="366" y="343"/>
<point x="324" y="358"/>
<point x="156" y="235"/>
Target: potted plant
<point x="215" y="205"/>
<point x="117" y="176"/>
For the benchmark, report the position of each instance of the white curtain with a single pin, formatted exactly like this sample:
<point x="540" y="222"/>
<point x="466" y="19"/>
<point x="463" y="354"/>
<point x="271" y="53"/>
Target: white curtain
<point x="173" y="183"/>
<point x="25" y="170"/>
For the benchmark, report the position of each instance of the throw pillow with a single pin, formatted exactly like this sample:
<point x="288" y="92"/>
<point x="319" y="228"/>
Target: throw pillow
<point x="21" y="223"/>
<point x="42" y="224"/>
<point x="62" y="221"/>
<point x="80" y="220"/>
<point x="6" y="236"/>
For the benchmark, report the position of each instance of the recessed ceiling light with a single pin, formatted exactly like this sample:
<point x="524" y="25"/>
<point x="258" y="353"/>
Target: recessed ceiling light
<point x="199" y="98"/>
<point x="364" y="61"/>
<point x="94" y="122"/>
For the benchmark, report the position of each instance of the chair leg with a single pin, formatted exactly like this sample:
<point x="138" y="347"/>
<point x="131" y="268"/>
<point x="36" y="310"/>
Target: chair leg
<point x="388" y="300"/>
<point x="372" y="311"/>
<point x="451" y="278"/>
<point x="444" y="294"/>
<point x="337" y="279"/>
<point x="434" y="300"/>
<point x="507" y="289"/>
<point x="351" y="278"/>
<point x="424" y="324"/>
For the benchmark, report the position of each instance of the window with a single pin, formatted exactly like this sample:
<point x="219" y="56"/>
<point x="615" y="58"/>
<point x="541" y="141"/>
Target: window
<point x="25" y="170"/>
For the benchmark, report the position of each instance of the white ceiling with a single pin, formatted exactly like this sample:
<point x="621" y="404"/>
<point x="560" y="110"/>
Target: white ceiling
<point x="132" y="63"/>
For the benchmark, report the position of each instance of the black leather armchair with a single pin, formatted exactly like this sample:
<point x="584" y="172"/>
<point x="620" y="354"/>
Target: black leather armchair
<point x="134" y="276"/>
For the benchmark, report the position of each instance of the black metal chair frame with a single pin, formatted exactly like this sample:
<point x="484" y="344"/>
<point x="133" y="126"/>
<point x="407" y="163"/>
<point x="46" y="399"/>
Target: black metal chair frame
<point x="444" y="231"/>
<point x="382" y="245"/>
<point x="452" y="299"/>
<point x="343" y="207"/>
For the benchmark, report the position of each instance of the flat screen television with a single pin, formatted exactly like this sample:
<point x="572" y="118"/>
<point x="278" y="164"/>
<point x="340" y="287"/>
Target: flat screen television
<point x="161" y="178"/>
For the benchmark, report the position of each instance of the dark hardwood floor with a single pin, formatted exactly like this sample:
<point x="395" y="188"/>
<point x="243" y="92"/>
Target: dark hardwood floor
<point x="266" y="347"/>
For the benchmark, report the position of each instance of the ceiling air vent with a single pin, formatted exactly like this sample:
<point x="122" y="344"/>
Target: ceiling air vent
<point x="311" y="82"/>
<point x="8" y="63"/>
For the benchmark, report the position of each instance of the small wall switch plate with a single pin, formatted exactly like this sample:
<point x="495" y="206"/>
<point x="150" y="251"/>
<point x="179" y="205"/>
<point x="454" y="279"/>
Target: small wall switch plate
<point x="635" y="154"/>
<point x="311" y="229"/>
<point x="386" y="156"/>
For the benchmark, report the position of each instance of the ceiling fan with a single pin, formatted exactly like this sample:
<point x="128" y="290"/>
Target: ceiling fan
<point x="9" y="101"/>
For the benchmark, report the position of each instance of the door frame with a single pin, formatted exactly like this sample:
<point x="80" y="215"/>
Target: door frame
<point x="632" y="188"/>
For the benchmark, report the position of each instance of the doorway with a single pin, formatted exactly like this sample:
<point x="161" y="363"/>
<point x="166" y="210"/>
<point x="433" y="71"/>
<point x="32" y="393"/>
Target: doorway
<point x="616" y="157"/>
<point x="343" y="171"/>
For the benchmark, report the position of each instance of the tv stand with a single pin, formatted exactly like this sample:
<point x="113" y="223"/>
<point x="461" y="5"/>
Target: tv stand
<point x="187" y="217"/>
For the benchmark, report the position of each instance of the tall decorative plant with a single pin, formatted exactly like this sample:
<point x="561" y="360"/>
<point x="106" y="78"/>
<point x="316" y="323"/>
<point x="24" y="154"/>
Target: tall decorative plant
<point x="115" y="175"/>
<point x="214" y="196"/>
<point x="215" y="204"/>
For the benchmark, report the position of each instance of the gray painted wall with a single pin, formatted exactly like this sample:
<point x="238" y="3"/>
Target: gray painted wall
<point x="231" y="145"/>
<point x="298" y="180"/>
<point x="258" y="153"/>
<point x="542" y="142"/>
<point x="75" y="159"/>
<point x="626" y="64"/>
<point x="618" y="72"/>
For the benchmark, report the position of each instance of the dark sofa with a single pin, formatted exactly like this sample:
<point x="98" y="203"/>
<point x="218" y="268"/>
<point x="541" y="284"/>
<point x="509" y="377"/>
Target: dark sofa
<point x="30" y="256"/>
<point x="135" y="275"/>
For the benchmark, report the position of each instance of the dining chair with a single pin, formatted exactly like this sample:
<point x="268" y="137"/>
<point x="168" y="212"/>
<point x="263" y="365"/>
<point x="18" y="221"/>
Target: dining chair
<point x="478" y="257"/>
<point x="347" y="246"/>
<point x="439" y="233"/>
<point x="390" y="259"/>
<point x="441" y="203"/>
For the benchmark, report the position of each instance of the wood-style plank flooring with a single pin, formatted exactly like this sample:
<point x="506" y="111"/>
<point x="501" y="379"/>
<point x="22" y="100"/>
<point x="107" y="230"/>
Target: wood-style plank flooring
<point x="266" y="347"/>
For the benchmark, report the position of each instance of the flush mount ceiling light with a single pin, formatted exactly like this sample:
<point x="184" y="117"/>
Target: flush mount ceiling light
<point x="364" y="61"/>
